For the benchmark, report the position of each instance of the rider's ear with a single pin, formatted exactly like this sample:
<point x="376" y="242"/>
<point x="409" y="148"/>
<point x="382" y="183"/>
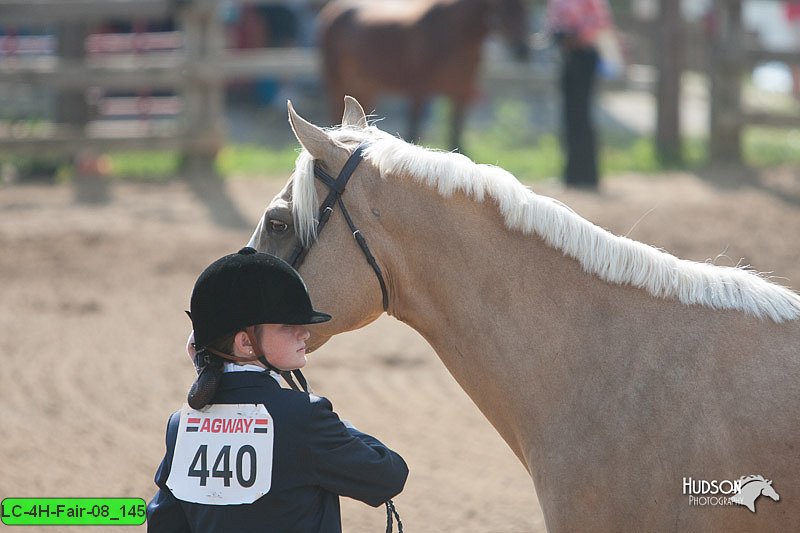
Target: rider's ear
<point x="241" y="343"/>
<point x="314" y="139"/>
<point x="354" y="116"/>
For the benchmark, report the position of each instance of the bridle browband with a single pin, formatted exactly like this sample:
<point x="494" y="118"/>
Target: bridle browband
<point x="337" y="187"/>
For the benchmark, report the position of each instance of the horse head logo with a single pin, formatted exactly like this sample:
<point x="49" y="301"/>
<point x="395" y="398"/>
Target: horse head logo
<point x="750" y="488"/>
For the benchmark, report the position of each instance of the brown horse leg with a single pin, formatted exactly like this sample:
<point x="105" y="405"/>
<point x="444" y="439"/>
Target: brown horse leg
<point x="458" y="107"/>
<point x="415" y="119"/>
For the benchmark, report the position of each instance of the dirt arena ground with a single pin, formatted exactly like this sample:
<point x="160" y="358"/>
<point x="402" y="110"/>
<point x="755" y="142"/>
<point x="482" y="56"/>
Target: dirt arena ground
<point x="92" y="331"/>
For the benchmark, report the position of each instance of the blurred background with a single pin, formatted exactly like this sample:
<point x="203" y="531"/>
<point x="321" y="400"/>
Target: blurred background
<point x="154" y="89"/>
<point x="142" y="139"/>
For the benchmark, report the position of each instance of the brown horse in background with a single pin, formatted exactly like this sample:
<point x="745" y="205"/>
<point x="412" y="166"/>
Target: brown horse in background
<point x="415" y="48"/>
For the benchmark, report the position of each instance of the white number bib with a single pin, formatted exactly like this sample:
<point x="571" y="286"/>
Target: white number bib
<point x="223" y="454"/>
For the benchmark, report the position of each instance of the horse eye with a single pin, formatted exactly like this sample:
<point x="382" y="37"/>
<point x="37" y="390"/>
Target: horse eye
<point x="278" y="226"/>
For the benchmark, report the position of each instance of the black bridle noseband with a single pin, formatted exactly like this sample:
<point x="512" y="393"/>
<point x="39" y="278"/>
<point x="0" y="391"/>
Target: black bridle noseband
<point x="337" y="187"/>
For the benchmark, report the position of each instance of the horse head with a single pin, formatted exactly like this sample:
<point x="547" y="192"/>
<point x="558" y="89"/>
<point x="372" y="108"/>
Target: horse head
<point x="767" y="490"/>
<point x="339" y="279"/>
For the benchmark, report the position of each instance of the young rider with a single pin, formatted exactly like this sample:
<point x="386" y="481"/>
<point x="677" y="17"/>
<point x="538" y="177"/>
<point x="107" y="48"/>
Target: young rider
<point x="247" y="454"/>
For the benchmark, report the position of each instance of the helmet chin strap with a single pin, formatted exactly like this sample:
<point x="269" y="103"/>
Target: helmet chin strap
<point x="262" y="358"/>
<point x="258" y="355"/>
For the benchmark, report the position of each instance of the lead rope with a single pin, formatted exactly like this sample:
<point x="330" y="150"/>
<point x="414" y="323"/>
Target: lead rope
<point x="391" y="510"/>
<point x="301" y="379"/>
<point x="337" y="187"/>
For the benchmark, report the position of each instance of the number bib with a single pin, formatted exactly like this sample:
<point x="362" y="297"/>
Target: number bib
<point x="223" y="454"/>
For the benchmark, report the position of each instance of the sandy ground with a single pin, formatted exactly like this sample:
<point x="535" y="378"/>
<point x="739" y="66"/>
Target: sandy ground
<point x="92" y="331"/>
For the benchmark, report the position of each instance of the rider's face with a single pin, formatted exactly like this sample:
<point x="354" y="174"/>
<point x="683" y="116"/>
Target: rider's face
<point x="283" y="344"/>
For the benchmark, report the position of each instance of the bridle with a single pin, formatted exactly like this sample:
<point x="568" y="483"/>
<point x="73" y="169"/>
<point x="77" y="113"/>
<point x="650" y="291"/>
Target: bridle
<point x="337" y="187"/>
<point x="298" y="255"/>
<point x="335" y="193"/>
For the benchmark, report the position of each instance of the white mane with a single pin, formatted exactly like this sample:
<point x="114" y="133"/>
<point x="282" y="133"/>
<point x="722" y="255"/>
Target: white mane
<point x="614" y="259"/>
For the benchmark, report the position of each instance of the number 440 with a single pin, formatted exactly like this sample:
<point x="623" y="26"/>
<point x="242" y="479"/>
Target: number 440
<point x="222" y="466"/>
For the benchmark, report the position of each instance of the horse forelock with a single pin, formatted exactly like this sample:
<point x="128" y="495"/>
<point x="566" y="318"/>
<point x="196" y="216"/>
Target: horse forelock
<point x="613" y="258"/>
<point x="305" y="201"/>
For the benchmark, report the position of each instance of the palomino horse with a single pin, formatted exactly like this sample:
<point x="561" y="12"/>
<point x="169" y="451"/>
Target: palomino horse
<point x="613" y="370"/>
<point x="415" y="48"/>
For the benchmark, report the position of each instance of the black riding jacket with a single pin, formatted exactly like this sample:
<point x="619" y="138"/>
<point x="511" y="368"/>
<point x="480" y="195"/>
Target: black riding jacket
<point x="316" y="458"/>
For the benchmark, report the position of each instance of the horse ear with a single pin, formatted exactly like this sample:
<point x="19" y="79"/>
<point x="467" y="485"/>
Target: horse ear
<point x="354" y="115"/>
<point x="313" y="138"/>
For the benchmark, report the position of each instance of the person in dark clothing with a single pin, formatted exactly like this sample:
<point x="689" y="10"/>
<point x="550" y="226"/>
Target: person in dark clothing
<point x="575" y="25"/>
<point x="247" y="454"/>
<point x="577" y="87"/>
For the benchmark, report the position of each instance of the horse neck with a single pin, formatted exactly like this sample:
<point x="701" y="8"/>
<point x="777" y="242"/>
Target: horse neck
<point x="749" y="493"/>
<point x="753" y="488"/>
<point x="538" y="343"/>
<point x="490" y="301"/>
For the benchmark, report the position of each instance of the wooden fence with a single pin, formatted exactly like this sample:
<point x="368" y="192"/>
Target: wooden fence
<point x="720" y="47"/>
<point x="733" y="53"/>
<point x="192" y="62"/>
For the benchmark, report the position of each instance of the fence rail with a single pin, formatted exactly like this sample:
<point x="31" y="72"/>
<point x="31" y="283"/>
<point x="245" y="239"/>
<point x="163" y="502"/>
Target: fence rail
<point x="733" y="54"/>
<point x="167" y="71"/>
<point x="50" y="12"/>
<point x="189" y="63"/>
<point x="193" y="62"/>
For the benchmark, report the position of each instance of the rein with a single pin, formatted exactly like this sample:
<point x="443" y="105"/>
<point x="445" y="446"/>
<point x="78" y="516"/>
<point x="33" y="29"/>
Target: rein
<point x="336" y="190"/>
<point x="337" y="187"/>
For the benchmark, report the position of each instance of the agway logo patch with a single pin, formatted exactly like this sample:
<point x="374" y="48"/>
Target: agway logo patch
<point x="226" y="425"/>
<point x="743" y="491"/>
<point x="223" y="454"/>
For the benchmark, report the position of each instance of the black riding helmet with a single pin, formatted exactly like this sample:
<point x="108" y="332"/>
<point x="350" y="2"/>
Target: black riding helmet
<point x="238" y="291"/>
<point x="248" y="288"/>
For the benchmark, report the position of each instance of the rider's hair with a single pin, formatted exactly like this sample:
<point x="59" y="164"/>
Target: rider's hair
<point x="209" y="370"/>
<point x="223" y="344"/>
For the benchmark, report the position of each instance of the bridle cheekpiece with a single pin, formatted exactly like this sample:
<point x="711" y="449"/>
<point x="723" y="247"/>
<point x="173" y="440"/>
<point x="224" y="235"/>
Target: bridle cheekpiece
<point x="336" y="190"/>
